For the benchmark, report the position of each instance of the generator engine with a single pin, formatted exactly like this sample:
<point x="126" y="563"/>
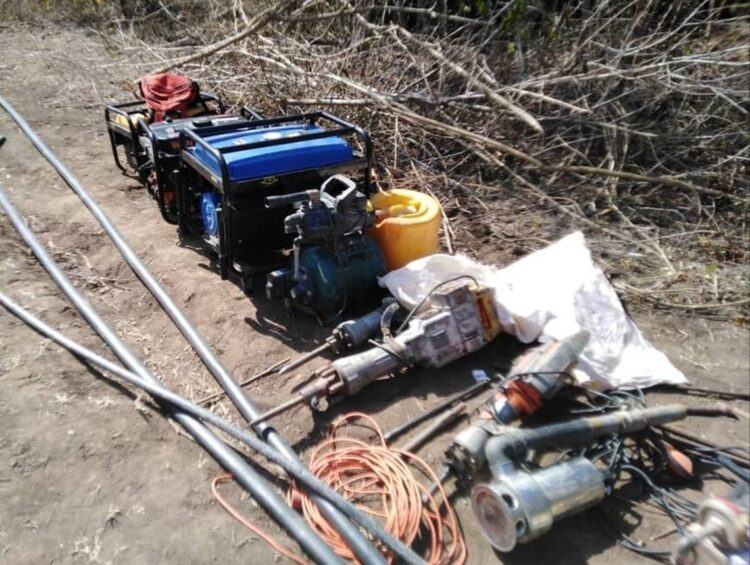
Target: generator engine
<point x="333" y="262"/>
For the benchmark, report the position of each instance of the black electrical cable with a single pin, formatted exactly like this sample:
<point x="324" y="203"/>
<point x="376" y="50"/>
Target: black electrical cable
<point x="723" y="449"/>
<point x="389" y="351"/>
<point x="731" y="466"/>
<point x="245" y="475"/>
<point x="158" y="391"/>
<point x="678" y="508"/>
<point x="644" y="457"/>
<point x="359" y="544"/>
<point x="428" y="295"/>
<point x="630" y="544"/>
<point x="386" y="318"/>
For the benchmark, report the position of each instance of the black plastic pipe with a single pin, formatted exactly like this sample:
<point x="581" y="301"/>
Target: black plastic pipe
<point x="300" y="473"/>
<point x="242" y="472"/>
<point x="359" y="545"/>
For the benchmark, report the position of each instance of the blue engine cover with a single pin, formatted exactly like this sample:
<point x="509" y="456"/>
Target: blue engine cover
<point x="208" y="203"/>
<point x="276" y="159"/>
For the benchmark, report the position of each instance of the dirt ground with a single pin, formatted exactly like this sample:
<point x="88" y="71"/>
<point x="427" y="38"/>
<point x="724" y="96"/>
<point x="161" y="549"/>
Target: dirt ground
<point x="90" y="473"/>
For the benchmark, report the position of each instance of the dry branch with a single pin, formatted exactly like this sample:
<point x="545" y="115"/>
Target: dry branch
<point x="667" y="181"/>
<point x="631" y="99"/>
<point x="253" y="26"/>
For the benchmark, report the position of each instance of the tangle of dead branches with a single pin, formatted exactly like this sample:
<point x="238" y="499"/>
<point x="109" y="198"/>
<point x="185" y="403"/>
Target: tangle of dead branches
<point x="527" y="118"/>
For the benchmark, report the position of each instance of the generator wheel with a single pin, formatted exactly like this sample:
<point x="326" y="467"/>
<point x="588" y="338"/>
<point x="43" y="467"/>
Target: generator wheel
<point x="246" y="284"/>
<point x="131" y="157"/>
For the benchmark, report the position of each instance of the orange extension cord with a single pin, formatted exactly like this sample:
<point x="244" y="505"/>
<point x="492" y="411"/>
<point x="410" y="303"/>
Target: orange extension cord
<point x="381" y="481"/>
<point x="247" y="523"/>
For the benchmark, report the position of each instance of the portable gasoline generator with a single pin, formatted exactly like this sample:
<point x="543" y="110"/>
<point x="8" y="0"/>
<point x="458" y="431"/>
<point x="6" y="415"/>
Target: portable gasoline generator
<point x="229" y="170"/>
<point x="160" y="97"/>
<point x="164" y="99"/>
<point x="161" y="145"/>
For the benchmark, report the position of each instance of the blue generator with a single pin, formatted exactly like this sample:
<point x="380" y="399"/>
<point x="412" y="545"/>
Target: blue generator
<point x="234" y="182"/>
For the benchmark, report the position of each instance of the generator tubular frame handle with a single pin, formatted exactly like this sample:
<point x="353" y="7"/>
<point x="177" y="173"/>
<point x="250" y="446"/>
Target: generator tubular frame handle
<point x="245" y="112"/>
<point x="120" y="109"/>
<point x="227" y="187"/>
<point x="311" y="118"/>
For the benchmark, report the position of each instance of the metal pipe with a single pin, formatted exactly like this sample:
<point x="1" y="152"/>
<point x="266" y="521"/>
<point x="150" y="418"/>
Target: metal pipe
<point x="276" y="410"/>
<point x="361" y="547"/>
<point x="243" y="473"/>
<point x="300" y="473"/>
<point x="503" y="450"/>
<point x="451" y="415"/>
<point x="470" y="392"/>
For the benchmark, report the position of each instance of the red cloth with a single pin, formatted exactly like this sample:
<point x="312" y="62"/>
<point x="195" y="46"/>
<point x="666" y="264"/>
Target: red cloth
<point x="167" y="93"/>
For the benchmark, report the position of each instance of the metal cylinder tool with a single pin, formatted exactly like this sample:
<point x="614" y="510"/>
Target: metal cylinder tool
<point x="517" y="505"/>
<point x="523" y="506"/>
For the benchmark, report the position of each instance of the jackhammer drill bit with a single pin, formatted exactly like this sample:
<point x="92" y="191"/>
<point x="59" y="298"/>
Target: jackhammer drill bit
<point x="483" y="382"/>
<point x="327" y="344"/>
<point x="276" y="410"/>
<point x="346" y="336"/>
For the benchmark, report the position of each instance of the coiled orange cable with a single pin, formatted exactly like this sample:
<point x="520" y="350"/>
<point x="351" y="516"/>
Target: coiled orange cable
<point x="247" y="523"/>
<point x="381" y="481"/>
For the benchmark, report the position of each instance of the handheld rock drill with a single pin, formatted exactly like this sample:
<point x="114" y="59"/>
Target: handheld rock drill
<point x="459" y="318"/>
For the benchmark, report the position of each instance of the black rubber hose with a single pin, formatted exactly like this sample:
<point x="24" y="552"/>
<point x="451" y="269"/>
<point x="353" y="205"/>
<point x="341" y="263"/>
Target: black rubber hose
<point x="243" y="473"/>
<point x="515" y="445"/>
<point x="300" y="473"/>
<point x="360" y="546"/>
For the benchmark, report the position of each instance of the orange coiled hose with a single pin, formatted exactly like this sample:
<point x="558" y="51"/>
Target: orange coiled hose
<point x="381" y="481"/>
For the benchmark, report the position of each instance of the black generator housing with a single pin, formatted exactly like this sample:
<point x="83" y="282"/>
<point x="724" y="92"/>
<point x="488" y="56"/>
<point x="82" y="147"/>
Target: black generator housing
<point x="227" y="171"/>
<point x="124" y="120"/>
<point x="161" y="146"/>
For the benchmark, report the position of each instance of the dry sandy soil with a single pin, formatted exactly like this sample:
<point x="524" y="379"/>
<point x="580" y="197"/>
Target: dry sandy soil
<point x="91" y="474"/>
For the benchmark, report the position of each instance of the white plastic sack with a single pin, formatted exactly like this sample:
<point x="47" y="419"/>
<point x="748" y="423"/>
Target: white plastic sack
<point x="549" y="295"/>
